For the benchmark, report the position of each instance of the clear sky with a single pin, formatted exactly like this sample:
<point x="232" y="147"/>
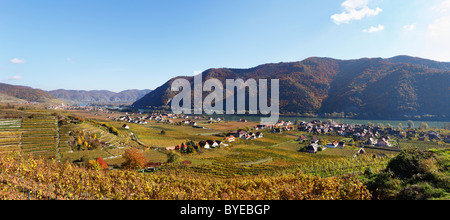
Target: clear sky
<point x="140" y="44"/>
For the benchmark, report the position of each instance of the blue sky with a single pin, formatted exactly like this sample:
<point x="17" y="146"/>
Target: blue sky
<point x="140" y="44"/>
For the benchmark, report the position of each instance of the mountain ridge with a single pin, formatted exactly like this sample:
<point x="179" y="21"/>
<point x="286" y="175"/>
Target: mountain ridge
<point x="377" y="88"/>
<point x="99" y="96"/>
<point x="22" y="94"/>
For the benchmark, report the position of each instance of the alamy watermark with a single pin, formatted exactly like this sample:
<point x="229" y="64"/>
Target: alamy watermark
<point x="182" y="103"/>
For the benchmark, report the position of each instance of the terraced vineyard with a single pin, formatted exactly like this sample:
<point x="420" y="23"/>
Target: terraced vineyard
<point x="12" y="124"/>
<point x="65" y="137"/>
<point x="37" y="135"/>
<point x="40" y="135"/>
<point x="9" y="141"/>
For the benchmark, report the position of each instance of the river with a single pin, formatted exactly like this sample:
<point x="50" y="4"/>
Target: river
<point x="394" y="123"/>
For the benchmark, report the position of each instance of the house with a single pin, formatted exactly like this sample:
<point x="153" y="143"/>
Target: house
<point x="212" y="144"/>
<point x="259" y="135"/>
<point x="301" y="138"/>
<point x="333" y="145"/>
<point x="433" y="135"/>
<point x="257" y="127"/>
<point x="249" y="136"/>
<point x="370" y="141"/>
<point x="314" y="140"/>
<point x="238" y="133"/>
<point x="241" y="133"/>
<point x="231" y="138"/>
<point x="277" y="130"/>
<point x="287" y="128"/>
<point x="361" y="151"/>
<point x="170" y="148"/>
<point x="204" y="144"/>
<point x="312" y="148"/>
<point x="383" y="143"/>
<point x="193" y="123"/>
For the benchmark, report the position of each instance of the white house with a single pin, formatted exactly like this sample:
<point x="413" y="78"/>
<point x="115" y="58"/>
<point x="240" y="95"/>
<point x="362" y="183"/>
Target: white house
<point x="383" y="143"/>
<point x="333" y="145"/>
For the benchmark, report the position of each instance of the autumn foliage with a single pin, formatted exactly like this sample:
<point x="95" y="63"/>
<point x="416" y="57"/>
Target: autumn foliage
<point x="180" y="182"/>
<point x="102" y="163"/>
<point x="134" y="159"/>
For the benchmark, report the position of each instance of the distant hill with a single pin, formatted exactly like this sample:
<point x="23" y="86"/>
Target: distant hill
<point x="99" y="96"/>
<point x="4" y="98"/>
<point x="373" y="88"/>
<point x="14" y="93"/>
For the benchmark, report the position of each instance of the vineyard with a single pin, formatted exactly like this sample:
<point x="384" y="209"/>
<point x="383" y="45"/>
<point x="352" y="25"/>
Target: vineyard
<point x="48" y="155"/>
<point x="422" y="145"/>
<point x="321" y="168"/>
<point x="25" y="177"/>
<point x="9" y="140"/>
<point x="10" y="124"/>
<point x="40" y="135"/>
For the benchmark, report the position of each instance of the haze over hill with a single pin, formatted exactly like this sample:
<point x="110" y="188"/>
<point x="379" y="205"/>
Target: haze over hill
<point x="99" y="96"/>
<point x="373" y="88"/>
<point x="22" y="94"/>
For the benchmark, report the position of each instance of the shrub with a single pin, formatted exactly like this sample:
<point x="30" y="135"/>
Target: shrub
<point x="413" y="175"/>
<point x="408" y="163"/>
<point x="173" y="157"/>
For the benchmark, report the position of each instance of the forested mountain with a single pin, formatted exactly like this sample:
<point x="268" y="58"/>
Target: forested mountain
<point x="99" y="96"/>
<point x="369" y="88"/>
<point x="25" y="93"/>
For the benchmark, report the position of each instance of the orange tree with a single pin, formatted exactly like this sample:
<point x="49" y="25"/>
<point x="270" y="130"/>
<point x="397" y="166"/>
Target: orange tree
<point x="134" y="159"/>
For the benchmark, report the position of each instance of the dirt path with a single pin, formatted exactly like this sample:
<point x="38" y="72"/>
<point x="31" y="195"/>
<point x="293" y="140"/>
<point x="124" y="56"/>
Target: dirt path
<point x="264" y="160"/>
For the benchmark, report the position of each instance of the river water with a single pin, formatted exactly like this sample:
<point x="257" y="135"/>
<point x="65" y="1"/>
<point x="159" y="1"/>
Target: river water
<point x="394" y="123"/>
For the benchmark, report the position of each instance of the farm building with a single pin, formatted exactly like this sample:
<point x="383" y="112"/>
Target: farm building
<point x="312" y="148"/>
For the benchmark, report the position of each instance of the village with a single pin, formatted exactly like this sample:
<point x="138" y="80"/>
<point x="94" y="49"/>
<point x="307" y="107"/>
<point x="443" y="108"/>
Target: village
<point x="366" y="135"/>
<point x="369" y="136"/>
